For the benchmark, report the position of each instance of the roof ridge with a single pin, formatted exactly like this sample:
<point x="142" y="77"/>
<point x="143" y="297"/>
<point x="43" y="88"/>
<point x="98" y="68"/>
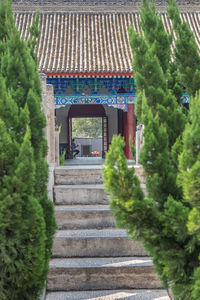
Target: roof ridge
<point x="96" y="5"/>
<point x="127" y="9"/>
<point x="99" y="13"/>
<point x="96" y="2"/>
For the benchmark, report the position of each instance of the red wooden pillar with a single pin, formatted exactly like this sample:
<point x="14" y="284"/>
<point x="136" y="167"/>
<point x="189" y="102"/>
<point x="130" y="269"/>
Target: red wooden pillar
<point x="129" y="129"/>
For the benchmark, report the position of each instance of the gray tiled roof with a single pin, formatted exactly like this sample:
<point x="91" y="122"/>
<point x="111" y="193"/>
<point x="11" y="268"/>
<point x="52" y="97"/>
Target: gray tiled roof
<point x="89" y="42"/>
<point x="95" y="2"/>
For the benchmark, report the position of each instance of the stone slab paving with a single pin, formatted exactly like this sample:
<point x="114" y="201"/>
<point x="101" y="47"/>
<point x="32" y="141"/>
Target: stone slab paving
<point x="79" y="167"/>
<point x="76" y="274"/>
<point x="92" y="233"/>
<point x="84" y="216"/>
<point x="78" y="175"/>
<point x="93" y="243"/>
<point x="80" y="194"/>
<point x="81" y="186"/>
<point x="89" y="253"/>
<point x="110" y="295"/>
<point x="86" y="186"/>
<point x="82" y="208"/>
<point x="99" y="262"/>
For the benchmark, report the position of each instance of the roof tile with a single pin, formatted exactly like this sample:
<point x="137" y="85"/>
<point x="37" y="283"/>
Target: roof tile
<point x="89" y="42"/>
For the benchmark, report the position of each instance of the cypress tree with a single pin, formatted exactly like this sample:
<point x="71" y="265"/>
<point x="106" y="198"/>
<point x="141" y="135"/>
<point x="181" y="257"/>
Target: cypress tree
<point x="160" y="219"/>
<point x="22" y="234"/>
<point x="153" y="71"/>
<point x="186" y="51"/>
<point x="20" y="106"/>
<point x="23" y="81"/>
<point x="189" y="176"/>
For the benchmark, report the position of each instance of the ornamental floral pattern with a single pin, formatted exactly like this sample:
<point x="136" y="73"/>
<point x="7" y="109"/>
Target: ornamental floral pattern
<point x="118" y="101"/>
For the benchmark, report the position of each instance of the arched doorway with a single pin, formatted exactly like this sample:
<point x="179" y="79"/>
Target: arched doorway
<point x="88" y="111"/>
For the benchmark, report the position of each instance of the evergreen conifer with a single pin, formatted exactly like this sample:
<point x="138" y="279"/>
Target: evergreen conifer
<point x="189" y="176"/>
<point x="186" y="51"/>
<point x="20" y="106"/>
<point x="160" y="219"/>
<point x="22" y="234"/>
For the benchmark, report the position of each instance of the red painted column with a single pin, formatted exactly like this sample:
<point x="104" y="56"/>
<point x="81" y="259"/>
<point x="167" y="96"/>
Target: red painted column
<point x="129" y="129"/>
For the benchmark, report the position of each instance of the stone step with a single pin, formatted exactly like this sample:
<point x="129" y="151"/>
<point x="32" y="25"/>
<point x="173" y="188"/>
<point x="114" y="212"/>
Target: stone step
<point x="93" y="242"/>
<point x="110" y="295"/>
<point x="102" y="274"/>
<point x="80" y="194"/>
<point x="78" y="175"/>
<point x="86" y="174"/>
<point x="84" y="216"/>
<point x="87" y="194"/>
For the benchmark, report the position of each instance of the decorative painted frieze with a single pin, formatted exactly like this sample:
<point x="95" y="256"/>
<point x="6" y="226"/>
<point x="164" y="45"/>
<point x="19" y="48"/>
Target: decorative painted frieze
<point x="118" y="101"/>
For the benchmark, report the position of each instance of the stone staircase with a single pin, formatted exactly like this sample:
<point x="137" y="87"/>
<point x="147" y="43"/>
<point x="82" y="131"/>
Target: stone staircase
<point x="91" y="259"/>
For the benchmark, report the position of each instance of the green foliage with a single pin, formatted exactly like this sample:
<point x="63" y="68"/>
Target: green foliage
<point x="151" y="78"/>
<point x="155" y="35"/>
<point x="22" y="235"/>
<point x="59" y="129"/>
<point x="189" y="176"/>
<point x="62" y="158"/>
<point x="7" y="150"/>
<point x="189" y="159"/>
<point x="167" y="219"/>
<point x="186" y="51"/>
<point x="119" y="181"/>
<point x="35" y="33"/>
<point x="132" y="147"/>
<point x="26" y="214"/>
<point x="87" y="127"/>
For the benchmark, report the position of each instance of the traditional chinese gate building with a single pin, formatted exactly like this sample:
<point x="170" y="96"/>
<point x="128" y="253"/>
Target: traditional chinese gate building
<point x="84" y="51"/>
